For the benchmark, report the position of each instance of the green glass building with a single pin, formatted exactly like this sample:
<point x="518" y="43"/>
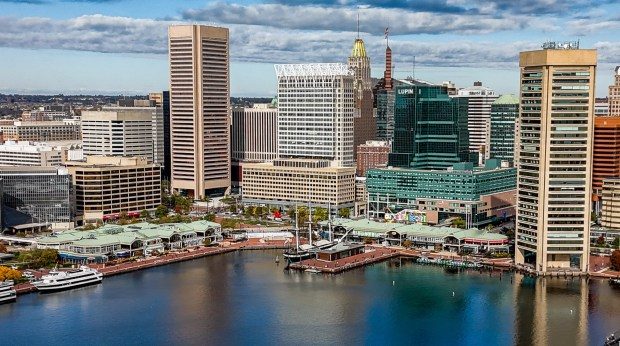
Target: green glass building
<point x="469" y="190"/>
<point x="504" y="114"/>
<point x="430" y="128"/>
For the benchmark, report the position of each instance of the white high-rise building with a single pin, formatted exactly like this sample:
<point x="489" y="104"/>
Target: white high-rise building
<point x="315" y="112"/>
<point x="479" y="99"/>
<point x="555" y="158"/>
<point x="124" y="131"/>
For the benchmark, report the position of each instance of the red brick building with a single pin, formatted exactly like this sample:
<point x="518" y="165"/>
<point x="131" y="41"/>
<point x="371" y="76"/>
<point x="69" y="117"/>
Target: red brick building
<point x="372" y="154"/>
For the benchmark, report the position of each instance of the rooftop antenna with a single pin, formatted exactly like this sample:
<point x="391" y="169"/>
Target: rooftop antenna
<point x="413" y="77"/>
<point x="358" y="23"/>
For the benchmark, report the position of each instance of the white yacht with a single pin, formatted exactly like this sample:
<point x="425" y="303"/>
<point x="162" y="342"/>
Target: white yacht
<point x="7" y="292"/>
<point x="58" y="280"/>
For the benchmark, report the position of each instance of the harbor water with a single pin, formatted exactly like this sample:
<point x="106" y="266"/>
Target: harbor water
<point x="244" y="297"/>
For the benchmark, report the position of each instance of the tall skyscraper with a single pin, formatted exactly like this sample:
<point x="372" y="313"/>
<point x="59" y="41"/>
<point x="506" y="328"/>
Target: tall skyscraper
<point x="430" y="128"/>
<point x="253" y="137"/>
<point x="162" y="100"/>
<point x="555" y="154"/>
<point x="315" y="112"/>
<point x="614" y="95"/>
<point x="199" y="109"/>
<point x="504" y="114"/>
<point x="383" y="94"/>
<point x="479" y="100"/>
<point x="364" y="127"/>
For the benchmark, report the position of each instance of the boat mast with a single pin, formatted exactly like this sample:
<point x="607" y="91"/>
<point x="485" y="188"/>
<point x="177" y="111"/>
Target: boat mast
<point x="309" y="217"/>
<point x="296" y="227"/>
<point x="329" y="221"/>
<point x="310" y="223"/>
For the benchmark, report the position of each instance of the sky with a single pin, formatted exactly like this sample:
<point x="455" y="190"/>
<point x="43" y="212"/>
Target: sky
<point x="120" y="46"/>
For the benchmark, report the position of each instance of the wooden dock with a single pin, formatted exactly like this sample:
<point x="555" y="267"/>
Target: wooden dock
<point x="373" y="255"/>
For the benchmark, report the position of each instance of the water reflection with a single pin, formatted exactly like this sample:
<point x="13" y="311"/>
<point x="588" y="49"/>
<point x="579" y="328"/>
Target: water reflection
<point x="245" y="298"/>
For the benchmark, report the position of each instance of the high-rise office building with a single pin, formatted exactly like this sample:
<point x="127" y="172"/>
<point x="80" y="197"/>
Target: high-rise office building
<point x="364" y="127"/>
<point x="199" y="109"/>
<point x="253" y="137"/>
<point x="315" y="112"/>
<point x="106" y="186"/>
<point x="614" y="95"/>
<point x="254" y="134"/>
<point x="555" y="154"/>
<point x="162" y="100"/>
<point x="430" y="128"/>
<point x="124" y="131"/>
<point x="606" y="152"/>
<point x="383" y="103"/>
<point x="479" y="100"/>
<point x="504" y="114"/>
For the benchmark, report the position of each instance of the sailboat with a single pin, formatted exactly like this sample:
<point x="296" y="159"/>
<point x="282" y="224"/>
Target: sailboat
<point x="298" y="253"/>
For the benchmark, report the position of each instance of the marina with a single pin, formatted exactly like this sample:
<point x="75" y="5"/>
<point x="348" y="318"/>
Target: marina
<point x="230" y="299"/>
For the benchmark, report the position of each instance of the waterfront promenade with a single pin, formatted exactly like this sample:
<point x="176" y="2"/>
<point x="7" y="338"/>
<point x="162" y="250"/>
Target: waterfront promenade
<point x="373" y="254"/>
<point x="171" y="257"/>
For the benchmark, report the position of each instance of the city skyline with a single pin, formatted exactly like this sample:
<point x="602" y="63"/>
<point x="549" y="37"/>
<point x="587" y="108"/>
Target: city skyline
<point x="119" y="47"/>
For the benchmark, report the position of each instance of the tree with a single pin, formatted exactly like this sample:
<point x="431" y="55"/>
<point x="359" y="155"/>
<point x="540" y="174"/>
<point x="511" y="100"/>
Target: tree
<point x="458" y="223"/>
<point x="89" y="227"/>
<point x="407" y="243"/>
<point x="319" y="214"/>
<point x="229" y="200"/>
<point x="161" y="211"/>
<point x="3" y="248"/>
<point x="344" y="212"/>
<point x="145" y="214"/>
<point x="593" y="216"/>
<point x="600" y="241"/>
<point x="182" y="205"/>
<point x="615" y="260"/>
<point x="616" y="243"/>
<point x="206" y="242"/>
<point x="38" y="258"/>
<point x="229" y="223"/>
<point x="123" y="215"/>
<point x="367" y="240"/>
<point x="210" y="217"/>
<point x="7" y="273"/>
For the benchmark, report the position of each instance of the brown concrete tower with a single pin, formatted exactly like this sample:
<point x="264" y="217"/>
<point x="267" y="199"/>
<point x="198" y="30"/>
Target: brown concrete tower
<point x="199" y="109"/>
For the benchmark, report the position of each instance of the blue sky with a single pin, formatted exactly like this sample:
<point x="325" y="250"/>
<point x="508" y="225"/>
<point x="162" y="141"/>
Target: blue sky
<point x="118" y="46"/>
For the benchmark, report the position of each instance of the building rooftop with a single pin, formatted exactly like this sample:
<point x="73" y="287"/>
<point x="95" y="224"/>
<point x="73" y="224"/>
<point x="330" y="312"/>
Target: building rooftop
<point x="308" y="70"/>
<point x="415" y="230"/>
<point x="127" y="234"/>
<point x="359" y="50"/>
<point x="507" y="99"/>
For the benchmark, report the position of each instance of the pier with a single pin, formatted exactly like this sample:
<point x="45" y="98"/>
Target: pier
<point x="372" y="255"/>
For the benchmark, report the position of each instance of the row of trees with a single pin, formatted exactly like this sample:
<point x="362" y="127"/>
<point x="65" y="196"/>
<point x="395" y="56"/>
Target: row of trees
<point x="318" y="213"/>
<point x="38" y="258"/>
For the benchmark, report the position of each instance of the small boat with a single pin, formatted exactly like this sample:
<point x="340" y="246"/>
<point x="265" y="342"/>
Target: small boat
<point x="58" y="280"/>
<point x="7" y="292"/>
<point x="613" y="339"/>
<point x="277" y="259"/>
<point x="313" y="271"/>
